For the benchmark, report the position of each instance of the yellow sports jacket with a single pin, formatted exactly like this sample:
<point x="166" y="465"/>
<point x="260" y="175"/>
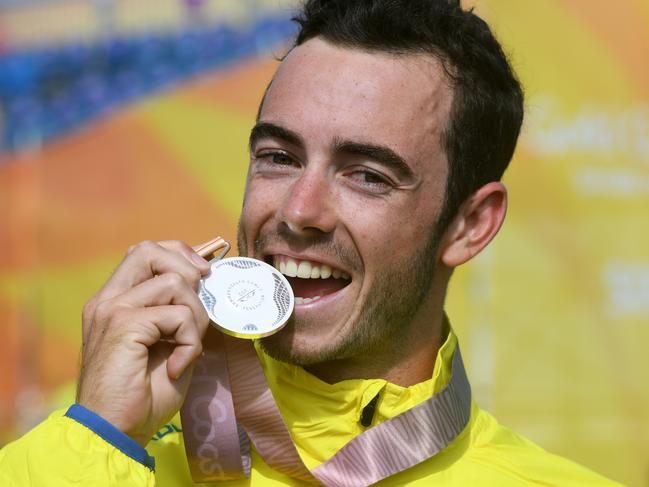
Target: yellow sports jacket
<point x="78" y="448"/>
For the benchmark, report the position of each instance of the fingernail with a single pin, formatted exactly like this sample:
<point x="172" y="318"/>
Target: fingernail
<point x="199" y="261"/>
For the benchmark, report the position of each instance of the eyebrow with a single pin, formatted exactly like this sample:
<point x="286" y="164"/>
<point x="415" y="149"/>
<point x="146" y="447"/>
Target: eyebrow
<point x="263" y="130"/>
<point x="379" y="153"/>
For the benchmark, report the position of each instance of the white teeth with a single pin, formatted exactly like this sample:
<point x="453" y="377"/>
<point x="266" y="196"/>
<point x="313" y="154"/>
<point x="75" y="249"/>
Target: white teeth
<point x="325" y="272"/>
<point x="304" y="270"/>
<point x="299" y="300"/>
<point x="291" y="268"/>
<point x="307" y="270"/>
<point x="280" y="265"/>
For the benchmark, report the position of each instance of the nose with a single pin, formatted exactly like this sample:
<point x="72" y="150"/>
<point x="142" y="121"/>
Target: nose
<point x="307" y="207"/>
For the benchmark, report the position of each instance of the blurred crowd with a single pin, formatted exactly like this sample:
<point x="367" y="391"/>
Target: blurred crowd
<point x="48" y="89"/>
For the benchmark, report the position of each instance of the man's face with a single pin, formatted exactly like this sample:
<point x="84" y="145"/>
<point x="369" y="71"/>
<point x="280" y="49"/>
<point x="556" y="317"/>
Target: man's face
<point x="345" y="185"/>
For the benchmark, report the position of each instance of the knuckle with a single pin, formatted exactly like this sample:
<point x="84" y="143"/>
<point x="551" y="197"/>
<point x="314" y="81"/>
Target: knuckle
<point x="144" y="247"/>
<point x="88" y="310"/>
<point x="174" y="279"/>
<point x="104" y="311"/>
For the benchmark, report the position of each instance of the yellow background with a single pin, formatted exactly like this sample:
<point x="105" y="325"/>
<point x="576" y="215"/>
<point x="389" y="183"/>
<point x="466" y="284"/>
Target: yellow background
<point x="553" y="318"/>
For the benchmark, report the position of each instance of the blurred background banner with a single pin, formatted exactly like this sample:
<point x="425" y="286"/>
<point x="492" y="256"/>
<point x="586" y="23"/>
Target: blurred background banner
<point x="125" y="120"/>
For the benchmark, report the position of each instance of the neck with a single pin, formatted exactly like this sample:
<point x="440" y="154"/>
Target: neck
<point x="404" y="364"/>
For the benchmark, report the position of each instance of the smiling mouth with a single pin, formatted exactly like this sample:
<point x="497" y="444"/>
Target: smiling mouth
<point x="310" y="280"/>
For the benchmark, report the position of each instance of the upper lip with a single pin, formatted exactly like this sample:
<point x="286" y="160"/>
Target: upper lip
<point x="310" y="257"/>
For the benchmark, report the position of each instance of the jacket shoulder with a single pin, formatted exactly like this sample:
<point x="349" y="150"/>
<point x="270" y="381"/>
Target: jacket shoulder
<point x="498" y="452"/>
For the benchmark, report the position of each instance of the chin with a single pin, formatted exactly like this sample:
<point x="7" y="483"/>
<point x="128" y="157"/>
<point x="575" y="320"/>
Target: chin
<point x="294" y="347"/>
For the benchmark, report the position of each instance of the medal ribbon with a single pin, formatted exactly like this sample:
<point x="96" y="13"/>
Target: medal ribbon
<point x="216" y="451"/>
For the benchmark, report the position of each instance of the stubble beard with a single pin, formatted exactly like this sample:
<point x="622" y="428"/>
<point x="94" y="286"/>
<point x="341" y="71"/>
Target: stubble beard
<point x="386" y="315"/>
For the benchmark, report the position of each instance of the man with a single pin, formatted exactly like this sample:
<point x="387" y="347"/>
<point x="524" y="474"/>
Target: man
<point x="375" y="169"/>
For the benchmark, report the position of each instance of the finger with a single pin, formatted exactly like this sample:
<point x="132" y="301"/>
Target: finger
<point x="142" y="262"/>
<point x="188" y="253"/>
<point x="176" y="323"/>
<point x="169" y="288"/>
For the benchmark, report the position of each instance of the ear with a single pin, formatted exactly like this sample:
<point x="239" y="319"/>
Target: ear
<point x="477" y="222"/>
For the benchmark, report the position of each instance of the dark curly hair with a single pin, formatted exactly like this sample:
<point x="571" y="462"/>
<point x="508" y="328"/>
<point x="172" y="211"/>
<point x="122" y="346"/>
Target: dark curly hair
<point x="487" y="108"/>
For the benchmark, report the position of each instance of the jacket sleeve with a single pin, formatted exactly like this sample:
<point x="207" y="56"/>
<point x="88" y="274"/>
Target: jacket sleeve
<point x="75" y="448"/>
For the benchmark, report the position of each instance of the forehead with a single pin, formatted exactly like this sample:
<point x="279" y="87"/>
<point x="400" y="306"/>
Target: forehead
<point x="322" y="92"/>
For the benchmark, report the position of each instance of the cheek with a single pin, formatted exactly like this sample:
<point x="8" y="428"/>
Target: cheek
<point x="253" y="205"/>
<point x="260" y="202"/>
<point x="382" y="236"/>
<point x="374" y="229"/>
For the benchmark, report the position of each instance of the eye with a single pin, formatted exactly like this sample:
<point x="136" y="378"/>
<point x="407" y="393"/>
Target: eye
<point x="276" y="158"/>
<point x="370" y="177"/>
<point x="370" y="180"/>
